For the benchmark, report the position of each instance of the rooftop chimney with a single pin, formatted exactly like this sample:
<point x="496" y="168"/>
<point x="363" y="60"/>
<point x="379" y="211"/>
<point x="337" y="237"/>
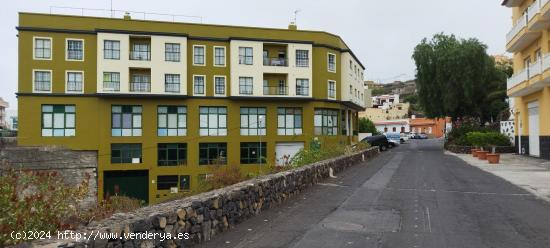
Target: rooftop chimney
<point x="292" y="26"/>
<point x="127" y="16"/>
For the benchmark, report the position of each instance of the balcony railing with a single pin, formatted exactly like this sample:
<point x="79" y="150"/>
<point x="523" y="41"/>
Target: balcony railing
<point x="140" y="87"/>
<point x="111" y="86"/>
<point x="275" y="91"/>
<point x="140" y="55"/>
<point x="534" y="9"/>
<point x="275" y="62"/>
<point x="534" y="69"/>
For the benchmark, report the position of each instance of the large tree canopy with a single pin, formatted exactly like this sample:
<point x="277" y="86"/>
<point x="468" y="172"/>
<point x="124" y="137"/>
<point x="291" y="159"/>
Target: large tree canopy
<point x="457" y="78"/>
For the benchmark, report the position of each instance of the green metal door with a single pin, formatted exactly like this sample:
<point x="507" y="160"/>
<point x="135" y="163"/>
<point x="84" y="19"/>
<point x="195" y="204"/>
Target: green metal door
<point x="134" y="183"/>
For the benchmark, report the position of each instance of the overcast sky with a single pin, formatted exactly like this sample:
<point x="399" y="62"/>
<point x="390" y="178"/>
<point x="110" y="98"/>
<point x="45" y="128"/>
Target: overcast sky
<point x="382" y="33"/>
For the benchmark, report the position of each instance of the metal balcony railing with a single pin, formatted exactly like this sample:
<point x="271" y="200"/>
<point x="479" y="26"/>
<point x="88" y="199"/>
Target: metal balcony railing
<point x="111" y="86"/>
<point x="140" y="87"/>
<point x="140" y="55"/>
<point x="534" y="69"/>
<point x="275" y="62"/>
<point x="534" y="9"/>
<point x="275" y="91"/>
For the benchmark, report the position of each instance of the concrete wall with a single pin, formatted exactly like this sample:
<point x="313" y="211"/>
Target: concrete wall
<point x="73" y="166"/>
<point x="206" y="215"/>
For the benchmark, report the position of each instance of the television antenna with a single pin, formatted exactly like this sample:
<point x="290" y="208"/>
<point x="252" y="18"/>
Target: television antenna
<point x="295" y="16"/>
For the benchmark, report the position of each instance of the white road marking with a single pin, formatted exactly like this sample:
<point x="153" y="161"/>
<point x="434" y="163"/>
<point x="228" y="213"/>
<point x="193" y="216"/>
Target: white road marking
<point x="458" y="192"/>
<point x="429" y="220"/>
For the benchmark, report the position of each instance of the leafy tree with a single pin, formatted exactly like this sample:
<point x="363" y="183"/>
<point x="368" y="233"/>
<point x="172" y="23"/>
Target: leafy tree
<point x="456" y="78"/>
<point x="367" y="126"/>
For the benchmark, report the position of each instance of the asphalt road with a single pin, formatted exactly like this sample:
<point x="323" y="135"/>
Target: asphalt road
<point x="410" y="196"/>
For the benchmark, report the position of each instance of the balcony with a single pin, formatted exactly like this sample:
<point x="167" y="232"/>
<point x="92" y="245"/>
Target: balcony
<point x="527" y="28"/>
<point x="140" y="87"/>
<point x="532" y="76"/>
<point x="275" y="61"/>
<point x="140" y="55"/>
<point x="275" y="90"/>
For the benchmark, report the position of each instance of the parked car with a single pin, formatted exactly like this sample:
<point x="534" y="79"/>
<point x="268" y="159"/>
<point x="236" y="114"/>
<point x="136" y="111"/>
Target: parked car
<point x="394" y="139"/>
<point x="422" y="136"/>
<point x="378" y="140"/>
<point x="404" y="137"/>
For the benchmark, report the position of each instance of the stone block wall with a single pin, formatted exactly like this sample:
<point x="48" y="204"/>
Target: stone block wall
<point x="205" y="215"/>
<point x="73" y="166"/>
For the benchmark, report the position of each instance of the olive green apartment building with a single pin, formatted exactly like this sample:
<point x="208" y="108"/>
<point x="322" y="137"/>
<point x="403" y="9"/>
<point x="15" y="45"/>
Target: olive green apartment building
<point x="161" y="102"/>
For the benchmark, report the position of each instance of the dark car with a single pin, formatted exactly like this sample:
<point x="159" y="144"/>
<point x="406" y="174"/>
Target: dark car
<point x="378" y="140"/>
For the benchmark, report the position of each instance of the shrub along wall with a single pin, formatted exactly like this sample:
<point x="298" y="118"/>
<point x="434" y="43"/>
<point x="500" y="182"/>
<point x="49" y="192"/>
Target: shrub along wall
<point x="205" y="215"/>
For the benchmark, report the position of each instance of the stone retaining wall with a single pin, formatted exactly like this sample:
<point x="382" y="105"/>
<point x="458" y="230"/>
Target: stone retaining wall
<point x="73" y="166"/>
<point x="466" y="149"/>
<point x="205" y="215"/>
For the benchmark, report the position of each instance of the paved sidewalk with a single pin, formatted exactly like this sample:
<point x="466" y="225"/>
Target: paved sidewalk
<point x="531" y="174"/>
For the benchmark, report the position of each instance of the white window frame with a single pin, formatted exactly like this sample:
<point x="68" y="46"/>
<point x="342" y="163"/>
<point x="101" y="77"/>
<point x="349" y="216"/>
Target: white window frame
<point x="224" y="85"/>
<point x="51" y="80"/>
<point x="67" y="49"/>
<point x="193" y="85"/>
<point x="214" y="56"/>
<point x="328" y="62"/>
<point x="328" y="89"/>
<point x="193" y="58"/>
<point x="34" y="47"/>
<point x="67" y="83"/>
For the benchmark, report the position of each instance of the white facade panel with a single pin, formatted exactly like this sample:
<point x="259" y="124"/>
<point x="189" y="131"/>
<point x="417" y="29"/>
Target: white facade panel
<point x="352" y="77"/>
<point x="158" y="66"/>
<point x="257" y="69"/>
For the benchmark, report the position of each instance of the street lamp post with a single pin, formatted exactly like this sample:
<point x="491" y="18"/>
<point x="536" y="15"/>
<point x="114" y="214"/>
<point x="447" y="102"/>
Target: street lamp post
<point x="261" y="118"/>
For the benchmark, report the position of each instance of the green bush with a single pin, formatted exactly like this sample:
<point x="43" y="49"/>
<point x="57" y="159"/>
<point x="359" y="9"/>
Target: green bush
<point x="36" y="201"/>
<point x="483" y="139"/>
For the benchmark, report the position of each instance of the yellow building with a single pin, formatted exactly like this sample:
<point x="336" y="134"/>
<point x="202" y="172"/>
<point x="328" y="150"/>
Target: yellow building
<point x="529" y="41"/>
<point x="162" y="101"/>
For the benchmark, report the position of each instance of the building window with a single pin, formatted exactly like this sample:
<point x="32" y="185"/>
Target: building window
<point x="167" y="182"/>
<point x="42" y="48"/>
<point x="289" y="121"/>
<point x="245" y="85"/>
<point x="172" y="52"/>
<point x="140" y="51"/>
<point x="331" y="62"/>
<point x="125" y="153"/>
<point x="219" y="85"/>
<point x="75" y="50"/>
<point x="219" y="56"/>
<point x="58" y="120"/>
<point x="126" y="120"/>
<point x="213" y="121"/>
<point x="331" y="89"/>
<point x="42" y="81"/>
<point x="111" y="81"/>
<point x="198" y="85"/>
<point x="212" y="153"/>
<point x="245" y="55"/>
<point x="302" y="87"/>
<point x="172" y="154"/>
<point x="172" y="83"/>
<point x="326" y="122"/>
<point x="253" y="121"/>
<point x="172" y="121"/>
<point x="198" y="55"/>
<point x="253" y="152"/>
<point x="302" y="58"/>
<point x="74" y="82"/>
<point x="111" y="49"/>
<point x="140" y="83"/>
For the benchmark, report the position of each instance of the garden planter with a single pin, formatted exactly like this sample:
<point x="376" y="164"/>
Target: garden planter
<point x="493" y="158"/>
<point x="482" y="155"/>
<point x="474" y="152"/>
